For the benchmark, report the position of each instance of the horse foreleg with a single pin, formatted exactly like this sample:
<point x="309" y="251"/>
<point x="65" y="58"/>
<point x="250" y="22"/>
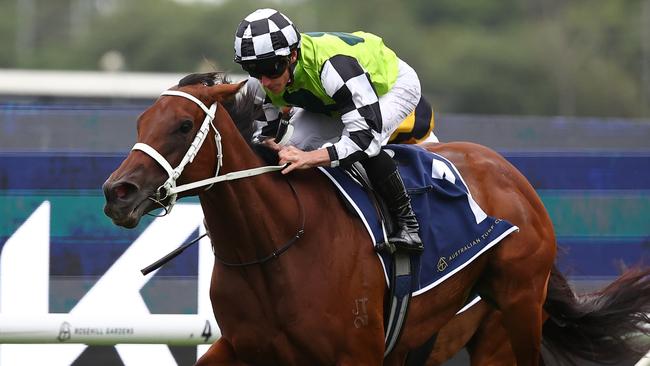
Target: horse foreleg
<point x="220" y="353"/>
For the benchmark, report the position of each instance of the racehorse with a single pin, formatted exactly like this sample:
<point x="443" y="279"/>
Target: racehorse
<point x="295" y="279"/>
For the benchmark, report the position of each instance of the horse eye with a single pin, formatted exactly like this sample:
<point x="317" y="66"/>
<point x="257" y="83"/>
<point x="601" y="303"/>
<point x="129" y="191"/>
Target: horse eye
<point x="186" y="126"/>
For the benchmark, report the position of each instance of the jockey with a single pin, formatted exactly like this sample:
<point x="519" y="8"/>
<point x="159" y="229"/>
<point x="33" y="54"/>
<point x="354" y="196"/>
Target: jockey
<point x="342" y="94"/>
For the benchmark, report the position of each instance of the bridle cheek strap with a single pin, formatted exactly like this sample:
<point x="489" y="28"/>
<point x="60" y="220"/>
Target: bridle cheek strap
<point x="164" y="191"/>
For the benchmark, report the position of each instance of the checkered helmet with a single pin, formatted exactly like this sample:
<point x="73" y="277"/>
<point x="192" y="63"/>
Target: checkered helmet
<point x="264" y="34"/>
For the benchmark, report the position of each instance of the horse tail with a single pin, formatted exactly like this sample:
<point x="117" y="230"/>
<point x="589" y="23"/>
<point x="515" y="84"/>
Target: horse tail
<point x="602" y="327"/>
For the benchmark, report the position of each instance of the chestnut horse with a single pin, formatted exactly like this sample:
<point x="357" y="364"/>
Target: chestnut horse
<point x="295" y="279"/>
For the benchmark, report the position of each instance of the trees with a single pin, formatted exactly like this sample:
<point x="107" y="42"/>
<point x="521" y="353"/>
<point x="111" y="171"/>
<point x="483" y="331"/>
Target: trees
<point x="542" y="57"/>
<point x="474" y="56"/>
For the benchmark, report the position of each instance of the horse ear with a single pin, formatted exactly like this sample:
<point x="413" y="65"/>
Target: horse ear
<point x="228" y="91"/>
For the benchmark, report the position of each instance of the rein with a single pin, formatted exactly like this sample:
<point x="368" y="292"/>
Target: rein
<point x="276" y="253"/>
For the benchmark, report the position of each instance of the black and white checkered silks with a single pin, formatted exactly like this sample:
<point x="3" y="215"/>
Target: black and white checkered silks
<point x="345" y="80"/>
<point x="266" y="123"/>
<point x="263" y="34"/>
<point x="356" y="135"/>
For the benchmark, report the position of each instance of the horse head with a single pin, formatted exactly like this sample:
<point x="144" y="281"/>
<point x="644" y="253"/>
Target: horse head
<point x="178" y="141"/>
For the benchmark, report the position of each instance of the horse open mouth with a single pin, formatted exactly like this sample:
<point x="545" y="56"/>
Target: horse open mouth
<point x="129" y="222"/>
<point x="129" y="216"/>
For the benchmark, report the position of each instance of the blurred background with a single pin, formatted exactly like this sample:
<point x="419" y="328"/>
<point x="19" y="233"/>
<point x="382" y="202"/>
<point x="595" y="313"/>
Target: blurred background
<point x="561" y="88"/>
<point x="523" y="57"/>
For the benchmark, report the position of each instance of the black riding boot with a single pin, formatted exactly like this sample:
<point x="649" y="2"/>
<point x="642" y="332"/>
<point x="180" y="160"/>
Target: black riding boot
<point x="393" y="192"/>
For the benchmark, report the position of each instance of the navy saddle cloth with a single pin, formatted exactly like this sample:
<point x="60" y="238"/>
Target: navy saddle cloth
<point x="453" y="228"/>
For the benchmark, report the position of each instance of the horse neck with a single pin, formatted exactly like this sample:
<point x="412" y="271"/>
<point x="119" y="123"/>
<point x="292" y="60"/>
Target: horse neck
<point x="248" y="218"/>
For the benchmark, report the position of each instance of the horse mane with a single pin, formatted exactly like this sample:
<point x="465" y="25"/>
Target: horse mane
<point x="242" y="108"/>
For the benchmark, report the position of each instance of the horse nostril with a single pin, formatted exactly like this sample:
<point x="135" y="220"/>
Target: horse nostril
<point x="120" y="191"/>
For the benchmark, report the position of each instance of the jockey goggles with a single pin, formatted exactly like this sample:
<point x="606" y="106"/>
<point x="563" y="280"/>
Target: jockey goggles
<point x="271" y="68"/>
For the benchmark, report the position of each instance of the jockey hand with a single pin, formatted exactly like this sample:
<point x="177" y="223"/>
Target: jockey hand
<point x="299" y="159"/>
<point x="271" y="144"/>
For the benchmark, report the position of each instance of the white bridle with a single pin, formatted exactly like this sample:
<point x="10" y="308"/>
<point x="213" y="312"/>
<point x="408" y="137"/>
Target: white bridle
<point x="169" y="189"/>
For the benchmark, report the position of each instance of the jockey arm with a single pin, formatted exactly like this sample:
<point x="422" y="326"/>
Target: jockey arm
<point x="345" y="80"/>
<point x="268" y="121"/>
<point x="267" y="126"/>
<point x="349" y="85"/>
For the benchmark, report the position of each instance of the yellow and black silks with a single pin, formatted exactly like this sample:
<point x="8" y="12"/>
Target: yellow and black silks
<point x="416" y="127"/>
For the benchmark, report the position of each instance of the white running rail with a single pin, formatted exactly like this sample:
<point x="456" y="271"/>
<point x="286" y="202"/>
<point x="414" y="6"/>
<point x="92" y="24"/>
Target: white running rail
<point x="171" y="329"/>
